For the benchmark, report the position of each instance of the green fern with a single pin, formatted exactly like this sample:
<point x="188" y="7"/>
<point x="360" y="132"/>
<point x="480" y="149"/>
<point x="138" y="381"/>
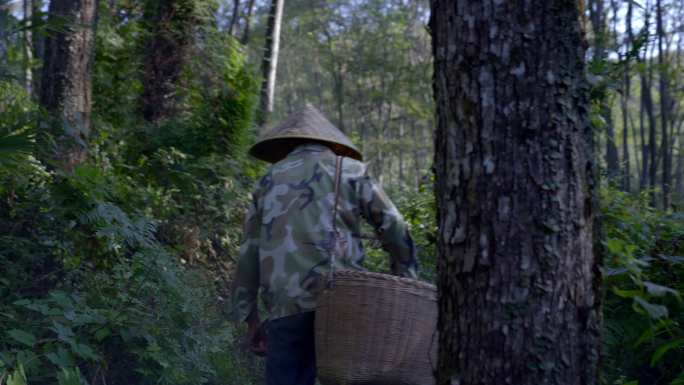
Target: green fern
<point x="14" y="147"/>
<point x="118" y="229"/>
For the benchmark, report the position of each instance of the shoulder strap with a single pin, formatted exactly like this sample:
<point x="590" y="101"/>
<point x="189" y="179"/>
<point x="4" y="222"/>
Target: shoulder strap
<point x="338" y="178"/>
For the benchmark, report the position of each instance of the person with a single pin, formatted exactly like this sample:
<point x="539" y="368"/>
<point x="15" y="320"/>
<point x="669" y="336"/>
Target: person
<point x="289" y="237"/>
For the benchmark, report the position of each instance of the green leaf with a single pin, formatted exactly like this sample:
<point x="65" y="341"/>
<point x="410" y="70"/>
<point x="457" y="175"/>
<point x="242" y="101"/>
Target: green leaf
<point x="64" y="333"/>
<point x="614" y="245"/>
<point x="625" y="293"/>
<point x="70" y="376"/>
<point x="61" y="298"/>
<point x="15" y="144"/>
<point x="22" y="336"/>
<point x="61" y="358"/>
<point x="654" y="311"/>
<point x="663" y="349"/>
<point x="103" y="333"/>
<point x="18" y="377"/>
<point x="653" y="331"/>
<point x="659" y="290"/>
<point x="84" y="351"/>
<point x="679" y="380"/>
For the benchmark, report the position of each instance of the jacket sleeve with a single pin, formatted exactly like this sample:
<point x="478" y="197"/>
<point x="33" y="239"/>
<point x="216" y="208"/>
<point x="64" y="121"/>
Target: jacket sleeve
<point x="389" y="225"/>
<point x="246" y="282"/>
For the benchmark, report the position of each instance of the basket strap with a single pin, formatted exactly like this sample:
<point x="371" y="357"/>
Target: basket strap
<point x="338" y="177"/>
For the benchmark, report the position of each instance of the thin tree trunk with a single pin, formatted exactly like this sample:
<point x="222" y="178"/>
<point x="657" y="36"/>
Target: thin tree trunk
<point x="269" y="64"/>
<point x="664" y="110"/>
<point x="645" y="155"/>
<point x="637" y="148"/>
<point x="38" y="45"/>
<point x="66" y="81"/>
<point x="338" y="79"/>
<point x="28" y="46"/>
<point x="652" y="145"/>
<point x="248" y="22"/>
<point x="626" y="81"/>
<point x="339" y="95"/>
<point x="400" y="155"/>
<point x="598" y="21"/>
<point x="679" y="173"/>
<point x="518" y="275"/>
<point x="170" y="24"/>
<point x="234" y="18"/>
<point x="417" y="168"/>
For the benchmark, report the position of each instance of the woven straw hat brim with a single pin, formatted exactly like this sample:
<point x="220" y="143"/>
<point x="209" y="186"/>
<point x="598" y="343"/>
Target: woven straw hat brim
<point x="276" y="149"/>
<point x="305" y="125"/>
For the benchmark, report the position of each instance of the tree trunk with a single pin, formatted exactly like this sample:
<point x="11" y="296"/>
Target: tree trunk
<point x="269" y="65"/>
<point x="28" y="47"/>
<point x="234" y="18"/>
<point x="169" y="24"/>
<point x="66" y="80"/>
<point x="664" y="110"/>
<point x="637" y="147"/>
<point x="400" y="155"/>
<point x="248" y="22"/>
<point x="652" y="145"/>
<point x="626" y="85"/>
<point x="598" y="22"/>
<point x="518" y="274"/>
<point x="417" y="144"/>
<point x="679" y="173"/>
<point x="38" y="45"/>
<point x="338" y="81"/>
<point x="645" y="148"/>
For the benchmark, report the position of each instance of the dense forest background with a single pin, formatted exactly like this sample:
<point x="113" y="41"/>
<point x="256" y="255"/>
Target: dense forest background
<point x="124" y="126"/>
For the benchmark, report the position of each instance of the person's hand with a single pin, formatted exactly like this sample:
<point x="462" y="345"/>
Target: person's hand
<point x="256" y="337"/>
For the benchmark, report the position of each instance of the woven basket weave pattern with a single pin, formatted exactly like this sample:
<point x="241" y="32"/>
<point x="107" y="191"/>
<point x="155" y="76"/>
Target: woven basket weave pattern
<point x="376" y="329"/>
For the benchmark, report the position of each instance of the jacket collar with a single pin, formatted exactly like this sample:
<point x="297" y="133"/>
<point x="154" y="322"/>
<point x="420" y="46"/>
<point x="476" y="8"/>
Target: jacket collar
<point x="309" y="148"/>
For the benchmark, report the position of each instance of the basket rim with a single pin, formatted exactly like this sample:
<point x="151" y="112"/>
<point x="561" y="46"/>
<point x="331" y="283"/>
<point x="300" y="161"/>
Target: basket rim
<point x="343" y="275"/>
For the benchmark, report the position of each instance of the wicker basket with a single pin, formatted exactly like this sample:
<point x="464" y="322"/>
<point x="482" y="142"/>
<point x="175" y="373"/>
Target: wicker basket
<point x="376" y="329"/>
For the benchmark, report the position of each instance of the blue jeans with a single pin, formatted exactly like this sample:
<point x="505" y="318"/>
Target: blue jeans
<point x="291" y="357"/>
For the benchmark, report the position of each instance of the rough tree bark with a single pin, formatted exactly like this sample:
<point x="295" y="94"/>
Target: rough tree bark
<point x="518" y="274"/>
<point x="169" y="24"/>
<point x="66" y="80"/>
<point x="269" y="64"/>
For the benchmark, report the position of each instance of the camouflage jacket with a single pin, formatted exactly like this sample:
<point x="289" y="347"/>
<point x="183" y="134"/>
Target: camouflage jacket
<point x="288" y="231"/>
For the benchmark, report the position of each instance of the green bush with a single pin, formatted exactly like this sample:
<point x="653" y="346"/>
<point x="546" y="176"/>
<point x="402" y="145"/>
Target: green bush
<point x="419" y="210"/>
<point x="89" y="291"/>
<point x="643" y="275"/>
<point x="118" y="272"/>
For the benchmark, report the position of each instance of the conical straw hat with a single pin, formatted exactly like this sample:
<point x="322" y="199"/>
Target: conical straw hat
<point x="305" y="125"/>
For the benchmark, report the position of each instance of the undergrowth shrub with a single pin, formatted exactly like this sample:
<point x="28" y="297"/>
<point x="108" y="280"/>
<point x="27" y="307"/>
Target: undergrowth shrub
<point x="644" y="282"/>
<point x="419" y="210"/>
<point x="118" y="273"/>
<point x="89" y="292"/>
